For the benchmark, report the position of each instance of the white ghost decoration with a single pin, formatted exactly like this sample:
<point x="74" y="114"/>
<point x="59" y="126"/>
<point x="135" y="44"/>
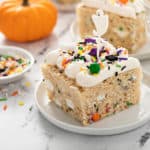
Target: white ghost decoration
<point x="101" y="23"/>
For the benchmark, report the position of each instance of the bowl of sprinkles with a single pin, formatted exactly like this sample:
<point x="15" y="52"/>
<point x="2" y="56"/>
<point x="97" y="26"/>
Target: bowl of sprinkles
<point x="14" y="63"/>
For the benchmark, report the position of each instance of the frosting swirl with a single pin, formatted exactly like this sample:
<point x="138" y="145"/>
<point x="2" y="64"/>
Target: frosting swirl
<point x="92" y="61"/>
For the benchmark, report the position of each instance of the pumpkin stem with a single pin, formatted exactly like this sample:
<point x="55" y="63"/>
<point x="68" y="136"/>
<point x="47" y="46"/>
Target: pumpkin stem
<point x="25" y="2"/>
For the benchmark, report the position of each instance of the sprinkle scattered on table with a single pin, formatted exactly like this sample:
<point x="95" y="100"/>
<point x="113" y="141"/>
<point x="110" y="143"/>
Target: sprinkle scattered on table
<point x="31" y="108"/>
<point x="27" y="84"/>
<point x="21" y="103"/>
<point x="15" y="93"/>
<point x="3" y="99"/>
<point x="5" y="107"/>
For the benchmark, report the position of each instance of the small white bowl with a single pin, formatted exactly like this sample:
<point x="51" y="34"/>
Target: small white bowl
<point x="13" y="51"/>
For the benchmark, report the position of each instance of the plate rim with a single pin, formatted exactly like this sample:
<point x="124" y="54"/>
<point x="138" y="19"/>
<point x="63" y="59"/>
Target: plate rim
<point x="87" y="130"/>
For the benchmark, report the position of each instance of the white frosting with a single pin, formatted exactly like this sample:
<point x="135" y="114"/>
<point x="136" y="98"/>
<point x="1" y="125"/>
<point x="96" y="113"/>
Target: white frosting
<point x="51" y="57"/>
<point x="87" y="80"/>
<point x="73" y="69"/>
<point x="101" y="23"/>
<point x="78" y="69"/>
<point x="128" y="10"/>
<point x="60" y="59"/>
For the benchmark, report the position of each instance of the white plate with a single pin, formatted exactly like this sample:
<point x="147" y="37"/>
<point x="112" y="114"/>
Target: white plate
<point x="124" y="121"/>
<point x="13" y="51"/>
<point x="143" y="53"/>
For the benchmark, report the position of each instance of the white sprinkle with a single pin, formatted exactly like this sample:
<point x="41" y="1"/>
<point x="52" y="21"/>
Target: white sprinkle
<point x="57" y="102"/>
<point x="101" y="97"/>
<point x="69" y="103"/>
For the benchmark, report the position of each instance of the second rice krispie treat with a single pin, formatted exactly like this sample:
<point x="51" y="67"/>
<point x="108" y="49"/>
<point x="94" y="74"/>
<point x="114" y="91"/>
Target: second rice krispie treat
<point x="92" y="80"/>
<point x="126" y="21"/>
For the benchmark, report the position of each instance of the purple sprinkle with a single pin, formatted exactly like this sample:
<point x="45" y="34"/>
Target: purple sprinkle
<point x="122" y="58"/>
<point x="119" y="52"/>
<point x="93" y="52"/>
<point x="89" y="40"/>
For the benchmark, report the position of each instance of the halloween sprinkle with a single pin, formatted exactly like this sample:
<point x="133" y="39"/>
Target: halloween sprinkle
<point x="3" y="99"/>
<point x="15" y="93"/>
<point x="97" y="55"/>
<point x="21" y="103"/>
<point x="10" y="65"/>
<point x="6" y="94"/>
<point x="5" y="107"/>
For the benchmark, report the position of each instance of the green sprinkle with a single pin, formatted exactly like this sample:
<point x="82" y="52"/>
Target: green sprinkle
<point x="80" y="48"/>
<point x="82" y="58"/>
<point x="94" y="68"/>
<point x="103" y="60"/>
<point x="129" y="103"/>
<point x="120" y="28"/>
<point x="29" y="62"/>
<point x="3" y="99"/>
<point x="20" y="61"/>
<point x="5" y="56"/>
<point x="31" y="108"/>
<point x="118" y="66"/>
<point x="79" y="58"/>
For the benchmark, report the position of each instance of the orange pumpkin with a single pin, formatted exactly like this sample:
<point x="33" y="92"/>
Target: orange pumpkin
<point x="27" y="20"/>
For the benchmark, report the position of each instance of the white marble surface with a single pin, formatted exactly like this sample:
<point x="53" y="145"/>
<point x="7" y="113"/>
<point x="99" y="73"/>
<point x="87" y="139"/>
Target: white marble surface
<point x="24" y="128"/>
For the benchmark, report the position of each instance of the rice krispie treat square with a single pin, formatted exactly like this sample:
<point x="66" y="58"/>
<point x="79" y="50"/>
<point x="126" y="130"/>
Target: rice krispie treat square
<point x="92" y="80"/>
<point x="126" y="23"/>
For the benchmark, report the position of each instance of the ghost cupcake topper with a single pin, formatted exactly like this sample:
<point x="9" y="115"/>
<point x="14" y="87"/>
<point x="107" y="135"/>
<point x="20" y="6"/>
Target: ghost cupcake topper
<point x="101" y="23"/>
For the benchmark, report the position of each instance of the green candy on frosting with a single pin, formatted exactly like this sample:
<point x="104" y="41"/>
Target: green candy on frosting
<point x="94" y="68"/>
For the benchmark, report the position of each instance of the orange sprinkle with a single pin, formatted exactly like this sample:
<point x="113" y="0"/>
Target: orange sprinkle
<point x="125" y="52"/>
<point x="96" y="117"/>
<point x="123" y="1"/>
<point x="15" y="93"/>
<point x="107" y="50"/>
<point x="101" y="65"/>
<point x="5" y="107"/>
<point x="64" y="62"/>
